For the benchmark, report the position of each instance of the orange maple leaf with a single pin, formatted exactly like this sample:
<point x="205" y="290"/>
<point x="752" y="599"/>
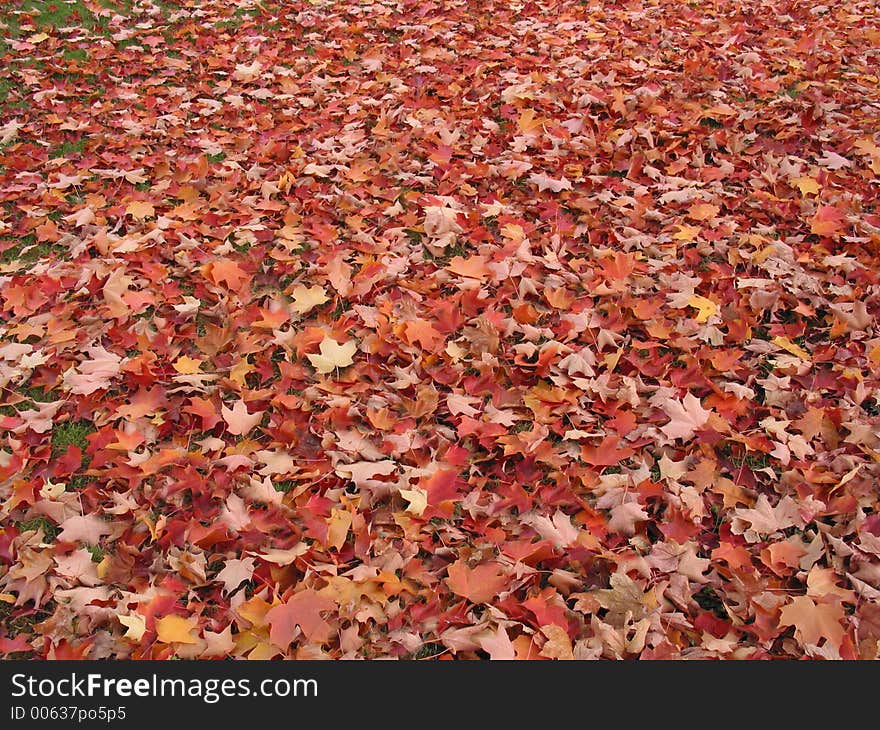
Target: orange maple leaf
<point x="423" y="332"/>
<point x="472" y="268"/>
<point x="703" y="211"/>
<point x="480" y="584"/>
<point x="827" y="221"/>
<point x="304" y="609"/>
<point x="140" y="209"/>
<point x="813" y="621"/>
<point x="227" y="271"/>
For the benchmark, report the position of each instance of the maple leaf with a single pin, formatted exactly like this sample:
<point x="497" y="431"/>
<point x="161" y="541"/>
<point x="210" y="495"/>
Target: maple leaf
<point x="338" y="526"/>
<point x="765" y="519"/>
<point x="283" y="557"/>
<point x="423" y="332"/>
<point x="558" y="644"/>
<point x="238" y="420"/>
<point x="94" y="374"/>
<point x="78" y="566"/>
<point x="82" y="217"/>
<point x="332" y="355"/>
<point x="235" y="572"/>
<point x="218" y="644"/>
<point x="707" y="308"/>
<point x="263" y="491"/>
<point x="140" y="209"/>
<point x="814" y="621"/>
<point x="173" y="629"/>
<point x="234" y="513"/>
<point x="339" y="275"/>
<point x="473" y="267"/>
<point x="625" y="515"/>
<point x="135" y="626"/>
<point x="807" y="185"/>
<point x="9" y="131"/>
<point x="417" y="498"/>
<point x="307" y="298"/>
<point x="789" y="346"/>
<point x="85" y="528"/>
<point x="498" y="645"/>
<point x="686" y="417"/>
<point x="625" y="598"/>
<point x="186" y="365"/>
<point x="479" y="584"/>
<point x="227" y="271"/>
<point x="558" y="529"/>
<point x="302" y="610"/>
<point x="276" y="462"/>
<point x="822" y="582"/>
<point x="833" y="161"/>
<point x="545" y="182"/>
<point x="115" y="290"/>
<point x="703" y="211"/>
<point x="247" y="72"/>
<point x="441" y="220"/>
<point x="827" y="221"/>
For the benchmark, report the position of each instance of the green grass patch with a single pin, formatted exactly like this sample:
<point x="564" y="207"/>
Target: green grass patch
<point x="80" y="481"/>
<point x="97" y="553"/>
<point x="71" y="433"/>
<point x="49" y="14"/>
<point x="50" y="529"/>
<point x="32" y="396"/>
<point x="426" y="651"/>
<point x="75" y="54"/>
<point x="5" y="87"/>
<point x="27" y="251"/>
<point x="38" y="395"/>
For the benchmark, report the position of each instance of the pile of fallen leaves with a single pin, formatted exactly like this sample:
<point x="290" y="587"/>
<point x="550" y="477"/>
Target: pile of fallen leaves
<point x="457" y="329"/>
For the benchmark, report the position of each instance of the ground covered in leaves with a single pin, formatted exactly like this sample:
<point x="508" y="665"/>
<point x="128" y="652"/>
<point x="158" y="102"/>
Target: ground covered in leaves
<point x="458" y="329"/>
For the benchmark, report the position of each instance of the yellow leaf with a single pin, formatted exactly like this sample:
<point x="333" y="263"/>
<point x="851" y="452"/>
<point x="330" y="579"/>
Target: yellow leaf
<point x="807" y="185"/>
<point x="37" y="38"/>
<point x="333" y="355"/>
<point x="685" y="232"/>
<point x="514" y="232"/>
<point x="789" y="346"/>
<point x="417" y="498"/>
<point x="558" y="644"/>
<point x="238" y="371"/>
<point x="140" y="209"/>
<point x="455" y="352"/>
<point x="7" y="598"/>
<point x="528" y="122"/>
<point x="174" y="629"/>
<point x="703" y="211"/>
<point x="264" y="650"/>
<point x="867" y="146"/>
<point x="187" y="365"/>
<point x="707" y="308"/>
<point x="612" y="358"/>
<point x="760" y="256"/>
<point x="103" y="567"/>
<point x="337" y="527"/>
<point x="254" y="610"/>
<point x="135" y="625"/>
<point x="305" y="298"/>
